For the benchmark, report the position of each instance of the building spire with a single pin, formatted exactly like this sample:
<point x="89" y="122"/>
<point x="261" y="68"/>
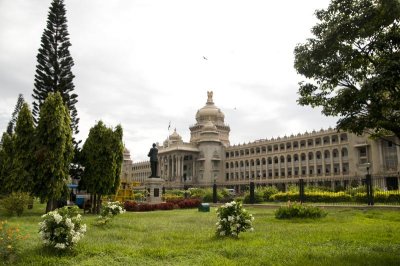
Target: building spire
<point x="210" y="97"/>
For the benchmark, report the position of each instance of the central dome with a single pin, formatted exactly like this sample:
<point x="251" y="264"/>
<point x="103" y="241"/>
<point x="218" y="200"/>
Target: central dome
<point x="210" y="112"/>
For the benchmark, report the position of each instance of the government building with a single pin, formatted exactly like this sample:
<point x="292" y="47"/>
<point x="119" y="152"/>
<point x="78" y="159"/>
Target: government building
<point x="325" y="157"/>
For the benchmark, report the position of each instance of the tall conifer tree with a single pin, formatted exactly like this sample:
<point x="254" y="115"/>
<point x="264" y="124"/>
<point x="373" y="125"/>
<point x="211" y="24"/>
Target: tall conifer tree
<point x="23" y="161"/>
<point x="53" y="71"/>
<point x="13" y="121"/>
<point x="6" y="159"/>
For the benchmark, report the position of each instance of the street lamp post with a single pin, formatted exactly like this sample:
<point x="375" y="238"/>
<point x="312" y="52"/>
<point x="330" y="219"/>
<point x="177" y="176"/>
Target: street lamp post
<point x="252" y="198"/>
<point x="370" y="197"/>
<point x="215" y="198"/>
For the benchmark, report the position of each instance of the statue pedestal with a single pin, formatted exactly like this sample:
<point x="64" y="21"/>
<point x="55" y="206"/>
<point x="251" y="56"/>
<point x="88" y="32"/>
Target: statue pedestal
<point x="154" y="186"/>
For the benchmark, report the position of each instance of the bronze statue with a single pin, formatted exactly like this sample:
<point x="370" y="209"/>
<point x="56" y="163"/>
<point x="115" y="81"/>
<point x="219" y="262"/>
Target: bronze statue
<point x="153" y="154"/>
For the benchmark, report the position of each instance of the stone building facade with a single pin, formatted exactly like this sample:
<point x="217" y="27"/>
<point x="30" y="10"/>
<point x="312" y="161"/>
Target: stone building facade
<point x="208" y="157"/>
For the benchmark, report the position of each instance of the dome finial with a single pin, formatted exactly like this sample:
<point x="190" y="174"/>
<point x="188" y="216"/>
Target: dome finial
<point x="210" y="97"/>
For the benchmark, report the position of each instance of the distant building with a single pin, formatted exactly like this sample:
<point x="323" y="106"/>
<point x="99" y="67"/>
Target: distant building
<point x="337" y="157"/>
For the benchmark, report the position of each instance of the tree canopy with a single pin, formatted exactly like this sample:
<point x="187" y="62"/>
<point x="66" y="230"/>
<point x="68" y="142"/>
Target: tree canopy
<point x="54" y="63"/>
<point x="54" y="149"/>
<point x="102" y="156"/>
<point x="22" y="177"/>
<point x="352" y="65"/>
<point x="6" y="163"/>
<point x="13" y="121"/>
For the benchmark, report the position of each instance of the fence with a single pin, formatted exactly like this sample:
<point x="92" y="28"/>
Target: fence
<point x="367" y="191"/>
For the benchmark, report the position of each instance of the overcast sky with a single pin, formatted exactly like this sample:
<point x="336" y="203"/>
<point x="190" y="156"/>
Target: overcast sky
<point x="140" y="64"/>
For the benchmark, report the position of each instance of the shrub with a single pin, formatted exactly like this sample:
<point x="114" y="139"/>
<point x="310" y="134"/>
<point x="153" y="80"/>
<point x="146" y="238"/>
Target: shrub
<point x="16" y="202"/>
<point x="285" y="196"/>
<point x="258" y="196"/>
<point x="328" y="197"/>
<point x="130" y="206"/>
<point x="197" y="193"/>
<point x="9" y="237"/>
<point x="393" y="196"/>
<point x="110" y="210"/>
<point x="296" y="210"/>
<point x="62" y="228"/>
<point x="360" y="197"/>
<point x="208" y="195"/>
<point x="169" y="205"/>
<point x="189" y="203"/>
<point x="233" y="219"/>
<point x="171" y="197"/>
<point x="268" y="192"/>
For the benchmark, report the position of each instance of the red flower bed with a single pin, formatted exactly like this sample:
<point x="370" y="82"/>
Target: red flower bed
<point x="132" y="206"/>
<point x="186" y="203"/>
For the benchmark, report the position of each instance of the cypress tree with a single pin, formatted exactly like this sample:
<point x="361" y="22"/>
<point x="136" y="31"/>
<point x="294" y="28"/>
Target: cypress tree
<point x="54" y="150"/>
<point x="23" y="161"/>
<point x="18" y="106"/>
<point x="54" y="63"/>
<point x="6" y="163"/>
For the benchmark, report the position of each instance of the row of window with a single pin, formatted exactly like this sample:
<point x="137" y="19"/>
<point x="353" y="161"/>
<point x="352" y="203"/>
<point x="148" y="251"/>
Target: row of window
<point x="289" y="146"/>
<point x="289" y="158"/>
<point x="289" y="172"/>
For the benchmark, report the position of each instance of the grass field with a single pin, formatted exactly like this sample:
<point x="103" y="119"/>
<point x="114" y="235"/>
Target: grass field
<point x="186" y="237"/>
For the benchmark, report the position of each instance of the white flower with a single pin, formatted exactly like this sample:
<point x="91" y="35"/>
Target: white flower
<point x="238" y="225"/>
<point x="83" y="229"/>
<point x="69" y="223"/>
<point x="222" y="233"/>
<point x="230" y="218"/>
<point x="60" y="245"/>
<point x="57" y="218"/>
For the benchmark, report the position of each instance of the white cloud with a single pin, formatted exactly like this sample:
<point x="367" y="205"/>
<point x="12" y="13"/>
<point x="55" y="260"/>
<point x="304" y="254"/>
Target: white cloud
<point x="140" y="63"/>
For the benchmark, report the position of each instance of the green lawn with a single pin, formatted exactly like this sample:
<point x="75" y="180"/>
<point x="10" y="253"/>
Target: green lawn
<point x="186" y="237"/>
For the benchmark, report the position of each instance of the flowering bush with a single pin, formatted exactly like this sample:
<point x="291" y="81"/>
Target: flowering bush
<point x="9" y="237"/>
<point x="233" y="219"/>
<point x="62" y="228"/>
<point x="110" y="210"/>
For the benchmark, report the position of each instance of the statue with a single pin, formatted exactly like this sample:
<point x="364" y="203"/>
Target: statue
<point x="209" y="96"/>
<point x="153" y="154"/>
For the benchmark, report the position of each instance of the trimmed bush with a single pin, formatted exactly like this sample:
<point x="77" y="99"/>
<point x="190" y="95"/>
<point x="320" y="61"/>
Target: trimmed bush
<point x="169" y="205"/>
<point x="296" y="210"/>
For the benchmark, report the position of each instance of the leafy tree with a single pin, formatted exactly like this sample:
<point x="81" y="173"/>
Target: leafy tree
<point x="6" y="162"/>
<point x="352" y="65"/>
<point x="119" y="157"/>
<point x="53" y="71"/>
<point x="18" y="106"/>
<point x="54" y="150"/>
<point x="102" y="155"/>
<point x="23" y="161"/>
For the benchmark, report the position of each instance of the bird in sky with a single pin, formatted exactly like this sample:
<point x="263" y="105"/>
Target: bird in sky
<point x="205" y="58"/>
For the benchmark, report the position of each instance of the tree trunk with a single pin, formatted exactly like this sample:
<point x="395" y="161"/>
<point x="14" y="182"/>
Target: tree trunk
<point x="51" y="205"/>
<point x="94" y="203"/>
<point x="98" y="204"/>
